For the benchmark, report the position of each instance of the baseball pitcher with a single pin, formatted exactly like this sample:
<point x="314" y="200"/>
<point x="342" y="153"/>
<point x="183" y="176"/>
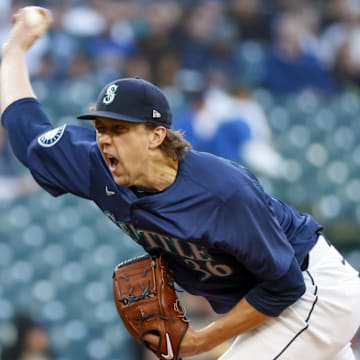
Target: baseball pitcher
<point x="282" y="289"/>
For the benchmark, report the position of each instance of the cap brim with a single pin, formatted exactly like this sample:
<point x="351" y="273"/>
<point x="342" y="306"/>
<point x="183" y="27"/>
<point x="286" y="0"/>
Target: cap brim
<point x="109" y="115"/>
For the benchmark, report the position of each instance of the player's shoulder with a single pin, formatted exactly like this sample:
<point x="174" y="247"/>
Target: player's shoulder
<point x="206" y="163"/>
<point x="217" y="174"/>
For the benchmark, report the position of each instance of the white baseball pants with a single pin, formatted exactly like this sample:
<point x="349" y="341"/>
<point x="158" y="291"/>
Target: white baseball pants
<point x="320" y="325"/>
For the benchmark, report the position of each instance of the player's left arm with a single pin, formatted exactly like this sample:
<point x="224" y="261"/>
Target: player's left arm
<point x="265" y="251"/>
<point x="263" y="302"/>
<point x="241" y="318"/>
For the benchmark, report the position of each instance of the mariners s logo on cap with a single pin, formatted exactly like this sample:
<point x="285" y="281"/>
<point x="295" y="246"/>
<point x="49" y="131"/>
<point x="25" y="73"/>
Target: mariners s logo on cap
<point x="110" y="94"/>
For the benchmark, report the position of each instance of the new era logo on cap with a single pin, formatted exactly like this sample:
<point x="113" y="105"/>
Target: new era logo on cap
<point x="156" y="114"/>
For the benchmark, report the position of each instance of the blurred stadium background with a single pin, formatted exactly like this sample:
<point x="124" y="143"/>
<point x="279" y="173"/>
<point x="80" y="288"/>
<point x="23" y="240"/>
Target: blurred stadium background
<point x="286" y="70"/>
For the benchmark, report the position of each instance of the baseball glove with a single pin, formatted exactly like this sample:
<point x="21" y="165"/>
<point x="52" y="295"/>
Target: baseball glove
<point x="147" y="303"/>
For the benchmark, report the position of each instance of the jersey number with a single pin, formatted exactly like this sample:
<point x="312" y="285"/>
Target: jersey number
<point x="220" y="270"/>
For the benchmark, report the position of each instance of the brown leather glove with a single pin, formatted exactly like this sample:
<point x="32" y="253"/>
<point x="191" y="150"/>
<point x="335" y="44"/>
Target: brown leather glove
<point x="147" y="303"/>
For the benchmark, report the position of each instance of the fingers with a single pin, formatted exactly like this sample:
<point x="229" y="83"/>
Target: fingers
<point x="29" y="23"/>
<point x="36" y="18"/>
<point x="45" y="14"/>
<point x="152" y="341"/>
<point x="14" y="18"/>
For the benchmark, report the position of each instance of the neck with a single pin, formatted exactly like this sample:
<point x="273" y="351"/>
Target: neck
<point x="162" y="172"/>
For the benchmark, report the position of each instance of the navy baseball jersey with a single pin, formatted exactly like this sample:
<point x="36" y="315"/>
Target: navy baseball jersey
<point x="225" y="237"/>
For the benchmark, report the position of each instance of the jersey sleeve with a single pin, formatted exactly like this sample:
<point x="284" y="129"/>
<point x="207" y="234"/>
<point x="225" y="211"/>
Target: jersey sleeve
<point x="58" y="158"/>
<point x="24" y="120"/>
<point x="247" y="228"/>
<point x="272" y="297"/>
<point x="60" y="162"/>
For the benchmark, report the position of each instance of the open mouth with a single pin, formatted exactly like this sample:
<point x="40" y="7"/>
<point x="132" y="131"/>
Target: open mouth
<point x="113" y="162"/>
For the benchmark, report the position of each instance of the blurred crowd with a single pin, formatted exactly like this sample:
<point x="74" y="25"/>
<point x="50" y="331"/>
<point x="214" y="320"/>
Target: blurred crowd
<point x="207" y="55"/>
<point x="305" y="43"/>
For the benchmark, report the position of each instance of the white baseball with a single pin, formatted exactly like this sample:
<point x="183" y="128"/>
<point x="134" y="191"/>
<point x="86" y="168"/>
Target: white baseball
<point x="34" y="18"/>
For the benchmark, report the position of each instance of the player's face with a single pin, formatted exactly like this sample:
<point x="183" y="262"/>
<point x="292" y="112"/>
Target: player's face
<point x="125" y="149"/>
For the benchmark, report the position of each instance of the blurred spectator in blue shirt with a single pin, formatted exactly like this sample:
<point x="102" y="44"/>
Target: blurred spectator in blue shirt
<point x="229" y="123"/>
<point x="288" y="67"/>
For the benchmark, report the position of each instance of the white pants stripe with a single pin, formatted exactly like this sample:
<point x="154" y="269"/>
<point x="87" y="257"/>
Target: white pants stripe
<point x="306" y="320"/>
<point x="320" y="325"/>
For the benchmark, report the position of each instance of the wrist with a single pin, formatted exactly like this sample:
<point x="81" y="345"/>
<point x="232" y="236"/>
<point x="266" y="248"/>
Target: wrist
<point x="205" y="341"/>
<point x="12" y="49"/>
<point x="195" y="343"/>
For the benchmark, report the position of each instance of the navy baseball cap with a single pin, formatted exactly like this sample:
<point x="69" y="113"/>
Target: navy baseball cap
<point x="134" y="100"/>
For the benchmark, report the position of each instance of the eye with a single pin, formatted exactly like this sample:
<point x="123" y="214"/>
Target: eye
<point x="99" y="129"/>
<point x="118" y="129"/>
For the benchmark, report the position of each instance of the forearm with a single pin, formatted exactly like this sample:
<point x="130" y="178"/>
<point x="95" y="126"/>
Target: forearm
<point x="14" y="77"/>
<point x="263" y="302"/>
<point x="243" y="317"/>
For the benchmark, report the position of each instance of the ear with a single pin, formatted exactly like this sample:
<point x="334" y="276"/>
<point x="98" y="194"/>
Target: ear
<point x="157" y="136"/>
